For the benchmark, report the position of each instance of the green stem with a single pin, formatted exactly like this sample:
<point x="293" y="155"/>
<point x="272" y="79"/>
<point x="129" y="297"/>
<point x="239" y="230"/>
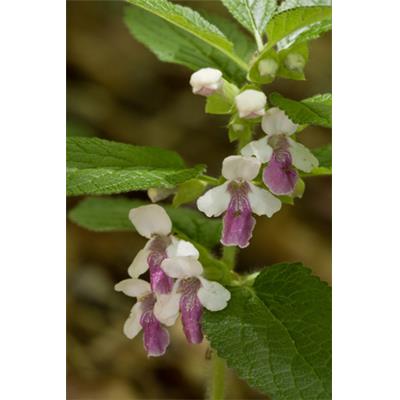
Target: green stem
<point x="217" y="381"/>
<point x="229" y="256"/>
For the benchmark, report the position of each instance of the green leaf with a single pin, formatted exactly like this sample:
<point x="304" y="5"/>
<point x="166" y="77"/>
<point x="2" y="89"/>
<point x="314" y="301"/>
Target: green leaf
<point x="316" y="110"/>
<point x="287" y="4"/>
<point x="172" y="44"/>
<point x="252" y="14"/>
<point x="188" y="192"/>
<point x="288" y="25"/>
<point x="97" y="166"/>
<point x="192" y="22"/>
<point x="108" y="214"/>
<point x="277" y="335"/>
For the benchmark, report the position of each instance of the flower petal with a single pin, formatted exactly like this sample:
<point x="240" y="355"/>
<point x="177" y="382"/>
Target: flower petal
<point x="166" y="308"/>
<point x="279" y="175"/>
<point x="155" y="336"/>
<point x="215" y="201"/>
<point x="258" y="148"/>
<point x="132" y="325"/>
<point x="251" y="103"/>
<point x="275" y="122"/>
<point x="302" y="157"/>
<point x="139" y="264"/>
<point x="239" y="167"/>
<point x="206" y="81"/>
<point x="133" y="287"/>
<point x="213" y="295"/>
<point x="263" y="202"/>
<point x="181" y="248"/>
<point x="182" y="267"/>
<point x="150" y="220"/>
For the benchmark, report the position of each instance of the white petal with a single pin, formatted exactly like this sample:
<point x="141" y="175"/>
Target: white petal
<point x="132" y="325"/>
<point x="263" y="202"/>
<point x="150" y="220"/>
<point x="166" y="308"/>
<point x="206" y="79"/>
<point x="239" y="167"/>
<point x="181" y="248"/>
<point x="182" y="267"/>
<point x="259" y="149"/>
<point x="275" y="122"/>
<point x="133" y="287"/>
<point x="213" y="295"/>
<point x="250" y="103"/>
<point x="215" y="201"/>
<point x="302" y="157"/>
<point x="139" y="264"/>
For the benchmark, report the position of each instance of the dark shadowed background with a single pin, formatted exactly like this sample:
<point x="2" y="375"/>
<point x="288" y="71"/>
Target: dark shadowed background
<point x="117" y="89"/>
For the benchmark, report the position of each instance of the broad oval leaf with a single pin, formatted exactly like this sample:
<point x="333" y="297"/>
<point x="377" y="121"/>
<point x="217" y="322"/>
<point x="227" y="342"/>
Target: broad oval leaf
<point x="97" y="166"/>
<point x="277" y="335"/>
<point x="287" y="4"/>
<point x="316" y="110"/>
<point x="191" y="22"/>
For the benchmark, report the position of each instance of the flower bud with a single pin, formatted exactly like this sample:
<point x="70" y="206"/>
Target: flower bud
<point x="268" y="67"/>
<point x="251" y="104"/>
<point x="295" y="62"/>
<point x="206" y="81"/>
<point x="158" y="194"/>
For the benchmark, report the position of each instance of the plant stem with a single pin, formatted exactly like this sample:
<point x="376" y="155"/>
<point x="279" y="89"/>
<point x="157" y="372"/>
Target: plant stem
<point x="217" y="381"/>
<point x="229" y="256"/>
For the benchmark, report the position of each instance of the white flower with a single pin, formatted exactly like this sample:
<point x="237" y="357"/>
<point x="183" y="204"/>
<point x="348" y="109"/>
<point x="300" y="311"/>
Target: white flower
<point x="239" y="198"/>
<point x="206" y="81"/>
<point x="275" y="123"/>
<point x="251" y="103"/>
<point x="268" y="67"/>
<point x="152" y="222"/>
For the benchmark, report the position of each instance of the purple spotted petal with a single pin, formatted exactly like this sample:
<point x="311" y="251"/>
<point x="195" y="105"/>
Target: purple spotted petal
<point x="191" y="310"/>
<point x="280" y="175"/>
<point x="159" y="280"/>
<point x="155" y="336"/>
<point x="238" y="221"/>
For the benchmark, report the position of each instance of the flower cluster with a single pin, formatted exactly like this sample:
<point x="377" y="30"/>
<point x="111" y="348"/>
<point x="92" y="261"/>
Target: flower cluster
<point x="238" y="197"/>
<point x="176" y="284"/>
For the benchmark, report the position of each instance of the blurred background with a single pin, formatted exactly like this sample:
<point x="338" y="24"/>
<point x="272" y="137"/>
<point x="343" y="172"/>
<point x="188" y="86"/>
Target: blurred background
<point x="118" y="90"/>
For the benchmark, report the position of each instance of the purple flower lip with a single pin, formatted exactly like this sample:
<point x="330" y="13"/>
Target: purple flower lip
<point x="191" y="310"/>
<point x="280" y="176"/>
<point x="159" y="280"/>
<point x="155" y="336"/>
<point x="238" y="220"/>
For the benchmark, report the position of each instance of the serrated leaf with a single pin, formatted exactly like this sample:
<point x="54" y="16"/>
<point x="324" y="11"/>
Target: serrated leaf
<point x="287" y="4"/>
<point x="96" y="166"/>
<point x="277" y="335"/>
<point x="109" y="214"/>
<point x="192" y="22"/>
<point x="316" y="110"/>
<point x="172" y="44"/>
<point x="188" y="192"/>
<point x="252" y="14"/>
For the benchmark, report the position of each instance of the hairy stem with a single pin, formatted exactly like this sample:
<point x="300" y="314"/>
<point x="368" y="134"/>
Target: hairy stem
<point x="217" y="381"/>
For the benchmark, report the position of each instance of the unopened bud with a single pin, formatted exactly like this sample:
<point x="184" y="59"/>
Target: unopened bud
<point x="268" y="67"/>
<point x="295" y="62"/>
<point x="206" y="81"/>
<point x="251" y="104"/>
<point x="158" y="194"/>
